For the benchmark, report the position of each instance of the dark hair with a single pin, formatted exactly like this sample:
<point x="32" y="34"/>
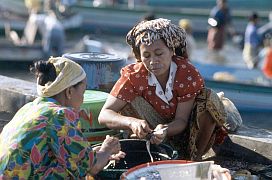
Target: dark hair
<point x="180" y="51"/>
<point x="149" y="16"/>
<point x="44" y="72"/>
<point x="253" y="16"/>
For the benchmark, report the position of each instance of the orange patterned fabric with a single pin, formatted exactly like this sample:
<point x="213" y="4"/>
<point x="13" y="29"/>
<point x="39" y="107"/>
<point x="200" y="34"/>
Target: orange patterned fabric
<point x="267" y="68"/>
<point x="134" y="82"/>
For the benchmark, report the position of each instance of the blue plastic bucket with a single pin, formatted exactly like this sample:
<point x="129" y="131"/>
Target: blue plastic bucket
<point x="102" y="70"/>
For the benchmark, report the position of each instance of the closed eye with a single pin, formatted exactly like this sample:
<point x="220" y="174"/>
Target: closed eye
<point x="159" y="54"/>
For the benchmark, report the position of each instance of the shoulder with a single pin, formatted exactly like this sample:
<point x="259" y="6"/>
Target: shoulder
<point x="214" y="10"/>
<point x="133" y="68"/>
<point x="187" y="73"/>
<point x="57" y="112"/>
<point x="134" y="71"/>
<point x="184" y="65"/>
<point x="67" y="113"/>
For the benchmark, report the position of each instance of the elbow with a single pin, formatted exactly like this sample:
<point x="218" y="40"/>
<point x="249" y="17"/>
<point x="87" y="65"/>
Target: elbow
<point x="100" y="119"/>
<point x="103" y="117"/>
<point x="95" y="171"/>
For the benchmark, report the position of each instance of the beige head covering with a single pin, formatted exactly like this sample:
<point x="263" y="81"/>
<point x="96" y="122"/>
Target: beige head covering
<point x="69" y="73"/>
<point x="148" y="31"/>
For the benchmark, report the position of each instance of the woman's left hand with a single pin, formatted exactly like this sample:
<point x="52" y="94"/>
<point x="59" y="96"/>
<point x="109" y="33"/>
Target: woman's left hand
<point x="159" y="134"/>
<point x="219" y="173"/>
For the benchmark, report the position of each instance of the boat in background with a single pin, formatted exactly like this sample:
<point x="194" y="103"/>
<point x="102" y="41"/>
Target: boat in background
<point x="15" y="15"/>
<point x="119" y="18"/>
<point x="248" y="89"/>
<point x="12" y="52"/>
<point x="252" y="5"/>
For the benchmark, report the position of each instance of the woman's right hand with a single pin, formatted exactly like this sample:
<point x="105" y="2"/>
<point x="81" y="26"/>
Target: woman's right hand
<point x="109" y="150"/>
<point x="111" y="145"/>
<point x="140" y="128"/>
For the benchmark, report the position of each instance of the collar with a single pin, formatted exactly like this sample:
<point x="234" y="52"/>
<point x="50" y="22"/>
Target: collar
<point x="167" y="95"/>
<point x="46" y="99"/>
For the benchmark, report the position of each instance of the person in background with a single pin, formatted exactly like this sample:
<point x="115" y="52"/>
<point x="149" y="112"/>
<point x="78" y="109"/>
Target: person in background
<point x="266" y="28"/>
<point x="191" y="44"/>
<point x="267" y="65"/>
<point x="252" y="42"/>
<point x="43" y="140"/>
<point x="149" y="16"/>
<point x="65" y="7"/>
<point x="220" y="23"/>
<point x="164" y="93"/>
<point x="33" y="6"/>
<point x="52" y="32"/>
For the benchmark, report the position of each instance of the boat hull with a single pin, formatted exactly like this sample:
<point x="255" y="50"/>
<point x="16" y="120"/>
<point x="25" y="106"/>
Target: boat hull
<point x="244" y="90"/>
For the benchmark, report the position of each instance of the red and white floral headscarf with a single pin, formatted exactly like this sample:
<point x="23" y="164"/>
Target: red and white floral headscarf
<point x="148" y="31"/>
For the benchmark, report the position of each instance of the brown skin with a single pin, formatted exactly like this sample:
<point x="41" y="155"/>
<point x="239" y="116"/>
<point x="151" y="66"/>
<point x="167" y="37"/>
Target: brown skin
<point x="157" y="58"/>
<point x="110" y="148"/>
<point x="206" y="126"/>
<point x="219" y="173"/>
<point x="222" y="4"/>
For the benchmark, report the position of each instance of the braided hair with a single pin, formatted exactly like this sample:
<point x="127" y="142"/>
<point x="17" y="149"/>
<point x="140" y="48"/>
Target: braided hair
<point x="146" y="32"/>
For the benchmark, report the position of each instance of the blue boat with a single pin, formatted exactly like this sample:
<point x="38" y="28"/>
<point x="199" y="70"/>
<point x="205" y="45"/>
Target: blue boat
<point x="120" y="18"/>
<point x="248" y="89"/>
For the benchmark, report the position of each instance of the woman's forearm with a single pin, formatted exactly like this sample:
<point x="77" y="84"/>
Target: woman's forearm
<point x="102" y="160"/>
<point x="114" y="120"/>
<point x="176" y="127"/>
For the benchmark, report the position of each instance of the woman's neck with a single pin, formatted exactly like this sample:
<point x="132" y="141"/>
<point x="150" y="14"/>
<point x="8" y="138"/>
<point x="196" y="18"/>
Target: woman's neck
<point x="163" y="80"/>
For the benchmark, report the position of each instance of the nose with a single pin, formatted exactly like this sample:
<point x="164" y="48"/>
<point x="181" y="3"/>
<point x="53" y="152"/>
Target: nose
<point x="154" y="60"/>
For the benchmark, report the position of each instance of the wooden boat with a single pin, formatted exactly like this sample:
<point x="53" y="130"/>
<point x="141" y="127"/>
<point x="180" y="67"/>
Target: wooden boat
<point x="120" y="18"/>
<point x="252" y="5"/>
<point x="11" y="52"/>
<point x="15" y="15"/>
<point x="249" y="89"/>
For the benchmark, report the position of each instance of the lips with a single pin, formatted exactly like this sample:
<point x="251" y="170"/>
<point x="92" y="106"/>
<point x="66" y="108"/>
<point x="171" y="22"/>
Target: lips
<point x="154" y="67"/>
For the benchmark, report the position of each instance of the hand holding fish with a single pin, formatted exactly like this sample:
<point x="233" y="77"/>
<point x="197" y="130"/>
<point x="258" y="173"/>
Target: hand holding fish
<point x="159" y="134"/>
<point x="219" y="173"/>
<point x="140" y="128"/>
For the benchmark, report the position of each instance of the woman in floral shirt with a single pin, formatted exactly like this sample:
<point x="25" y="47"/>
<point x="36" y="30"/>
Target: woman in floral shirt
<point x="164" y="92"/>
<point x="43" y="140"/>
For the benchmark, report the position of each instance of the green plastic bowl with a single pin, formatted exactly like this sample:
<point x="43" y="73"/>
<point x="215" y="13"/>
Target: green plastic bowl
<point x="92" y="105"/>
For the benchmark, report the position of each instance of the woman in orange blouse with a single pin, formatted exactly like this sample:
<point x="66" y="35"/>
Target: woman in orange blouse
<point x="164" y="92"/>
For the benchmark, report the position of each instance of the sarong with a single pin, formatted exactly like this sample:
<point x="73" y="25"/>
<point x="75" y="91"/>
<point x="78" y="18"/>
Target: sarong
<point x="185" y="142"/>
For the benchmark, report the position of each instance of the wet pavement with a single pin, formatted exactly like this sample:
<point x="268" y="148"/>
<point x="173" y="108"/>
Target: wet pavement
<point x="250" y="166"/>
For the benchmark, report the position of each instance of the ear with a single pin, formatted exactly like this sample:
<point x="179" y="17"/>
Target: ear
<point x="68" y="93"/>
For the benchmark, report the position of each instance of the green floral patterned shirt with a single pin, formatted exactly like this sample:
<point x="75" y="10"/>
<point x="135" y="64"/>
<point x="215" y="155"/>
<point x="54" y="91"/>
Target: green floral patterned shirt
<point x="43" y="141"/>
